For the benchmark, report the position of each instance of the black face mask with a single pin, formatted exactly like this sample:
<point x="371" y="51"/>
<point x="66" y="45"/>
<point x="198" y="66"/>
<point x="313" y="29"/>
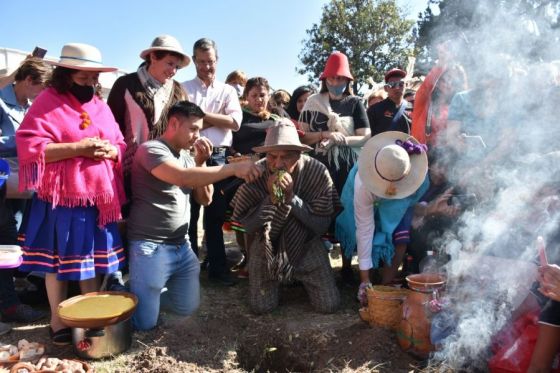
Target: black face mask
<point x="84" y="93"/>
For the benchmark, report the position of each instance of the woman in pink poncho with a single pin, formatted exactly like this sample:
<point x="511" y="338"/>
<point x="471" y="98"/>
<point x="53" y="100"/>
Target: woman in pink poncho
<point x="70" y="149"/>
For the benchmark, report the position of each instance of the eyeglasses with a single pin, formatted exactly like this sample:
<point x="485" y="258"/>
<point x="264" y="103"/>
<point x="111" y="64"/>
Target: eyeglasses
<point x="205" y="63"/>
<point x="399" y="84"/>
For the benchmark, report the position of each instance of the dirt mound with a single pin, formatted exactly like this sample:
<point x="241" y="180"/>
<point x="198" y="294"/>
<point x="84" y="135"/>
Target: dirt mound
<point x="225" y="337"/>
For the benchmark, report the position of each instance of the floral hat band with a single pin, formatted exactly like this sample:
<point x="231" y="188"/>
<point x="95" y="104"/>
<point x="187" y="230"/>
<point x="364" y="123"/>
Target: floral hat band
<point x="393" y="165"/>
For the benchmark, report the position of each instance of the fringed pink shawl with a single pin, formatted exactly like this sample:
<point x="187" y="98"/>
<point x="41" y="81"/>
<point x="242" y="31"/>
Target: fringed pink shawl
<point x="79" y="181"/>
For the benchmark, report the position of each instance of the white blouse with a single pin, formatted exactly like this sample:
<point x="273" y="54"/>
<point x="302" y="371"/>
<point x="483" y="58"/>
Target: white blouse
<point x="365" y="224"/>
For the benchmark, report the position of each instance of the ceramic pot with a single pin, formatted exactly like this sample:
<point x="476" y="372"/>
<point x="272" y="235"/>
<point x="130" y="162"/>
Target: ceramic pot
<point x="414" y="330"/>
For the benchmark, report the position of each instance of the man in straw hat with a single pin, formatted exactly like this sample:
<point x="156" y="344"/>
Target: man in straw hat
<point x="286" y="210"/>
<point x="164" y="177"/>
<point x="390" y="177"/>
<point x="140" y="102"/>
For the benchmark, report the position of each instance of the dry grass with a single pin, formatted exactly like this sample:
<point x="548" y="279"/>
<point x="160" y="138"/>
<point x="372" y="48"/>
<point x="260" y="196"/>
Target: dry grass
<point x="224" y="336"/>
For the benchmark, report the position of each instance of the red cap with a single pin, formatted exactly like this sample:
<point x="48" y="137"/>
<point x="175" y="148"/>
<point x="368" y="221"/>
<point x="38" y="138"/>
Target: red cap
<point x="394" y="72"/>
<point x="337" y="65"/>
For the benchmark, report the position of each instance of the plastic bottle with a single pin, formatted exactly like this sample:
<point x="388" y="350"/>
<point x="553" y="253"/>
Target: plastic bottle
<point x="428" y="264"/>
<point x="433" y="262"/>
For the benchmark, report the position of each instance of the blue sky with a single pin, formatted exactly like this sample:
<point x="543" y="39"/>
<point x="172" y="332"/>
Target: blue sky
<point x="260" y="37"/>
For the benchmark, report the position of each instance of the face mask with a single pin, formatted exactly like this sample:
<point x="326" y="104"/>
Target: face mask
<point x="84" y="93"/>
<point x="336" y="90"/>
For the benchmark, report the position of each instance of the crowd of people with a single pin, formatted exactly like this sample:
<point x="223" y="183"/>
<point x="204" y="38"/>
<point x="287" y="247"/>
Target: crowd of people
<point x="119" y="186"/>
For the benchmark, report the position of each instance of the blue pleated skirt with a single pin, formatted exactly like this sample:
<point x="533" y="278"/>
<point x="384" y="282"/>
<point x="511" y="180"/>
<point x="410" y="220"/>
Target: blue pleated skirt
<point x="67" y="241"/>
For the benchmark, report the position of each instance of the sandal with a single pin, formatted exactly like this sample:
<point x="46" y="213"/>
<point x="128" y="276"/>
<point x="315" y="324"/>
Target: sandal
<point x="62" y="337"/>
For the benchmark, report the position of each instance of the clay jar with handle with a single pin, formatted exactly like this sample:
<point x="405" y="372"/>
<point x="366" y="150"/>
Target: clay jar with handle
<point x="414" y="330"/>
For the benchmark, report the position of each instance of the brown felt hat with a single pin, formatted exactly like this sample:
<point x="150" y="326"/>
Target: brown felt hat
<point x="282" y="135"/>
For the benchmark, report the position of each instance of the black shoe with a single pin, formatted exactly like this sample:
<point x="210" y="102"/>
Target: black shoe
<point x="63" y="337"/>
<point x="224" y="278"/>
<point x="117" y="287"/>
<point x="115" y="282"/>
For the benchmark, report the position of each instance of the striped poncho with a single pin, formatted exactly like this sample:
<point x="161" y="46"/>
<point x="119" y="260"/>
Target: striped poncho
<point x="282" y="236"/>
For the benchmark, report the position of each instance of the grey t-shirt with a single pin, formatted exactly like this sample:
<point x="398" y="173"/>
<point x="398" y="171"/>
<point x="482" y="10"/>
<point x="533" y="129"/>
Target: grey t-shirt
<point x="160" y="212"/>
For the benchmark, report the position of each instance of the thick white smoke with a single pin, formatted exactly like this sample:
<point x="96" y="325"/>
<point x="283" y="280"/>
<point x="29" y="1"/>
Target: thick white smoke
<point x="516" y="99"/>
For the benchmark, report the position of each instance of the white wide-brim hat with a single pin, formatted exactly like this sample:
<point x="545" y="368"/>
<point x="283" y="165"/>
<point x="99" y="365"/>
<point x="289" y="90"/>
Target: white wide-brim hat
<point x="282" y="135"/>
<point x="387" y="170"/>
<point x="83" y="57"/>
<point x="167" y="43"/>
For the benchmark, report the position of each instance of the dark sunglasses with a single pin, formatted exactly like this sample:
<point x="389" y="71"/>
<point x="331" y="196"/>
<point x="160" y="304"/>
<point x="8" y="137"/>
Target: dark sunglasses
<point x="399" y="84"/>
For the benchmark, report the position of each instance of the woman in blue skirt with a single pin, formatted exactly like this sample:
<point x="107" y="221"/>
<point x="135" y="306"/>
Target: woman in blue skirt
<point x="69" y="150"/>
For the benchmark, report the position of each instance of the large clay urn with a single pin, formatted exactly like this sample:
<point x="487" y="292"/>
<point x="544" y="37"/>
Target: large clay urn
<point x="414" y="330"/>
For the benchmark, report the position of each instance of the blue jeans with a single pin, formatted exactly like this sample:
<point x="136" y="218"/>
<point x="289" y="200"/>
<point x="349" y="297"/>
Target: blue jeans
<point x="155" y="266"/>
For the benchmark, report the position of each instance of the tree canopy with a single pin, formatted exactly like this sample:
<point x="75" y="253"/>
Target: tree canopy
<point x="374" y="34"/>
<point x="523" y="29"/>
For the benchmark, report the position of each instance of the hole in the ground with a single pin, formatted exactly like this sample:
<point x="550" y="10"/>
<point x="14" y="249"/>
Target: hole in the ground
<point x="272" y="357"/>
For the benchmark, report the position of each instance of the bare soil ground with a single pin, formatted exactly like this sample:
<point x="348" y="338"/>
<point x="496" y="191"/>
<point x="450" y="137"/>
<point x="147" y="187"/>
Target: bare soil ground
<point x="224" y="336"/>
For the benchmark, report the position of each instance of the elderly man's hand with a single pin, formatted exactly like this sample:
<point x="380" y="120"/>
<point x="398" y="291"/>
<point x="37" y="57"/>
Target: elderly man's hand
<point x="549" y="277"/>
<point x="202" y="150"/>
<point x="285" y="182"/>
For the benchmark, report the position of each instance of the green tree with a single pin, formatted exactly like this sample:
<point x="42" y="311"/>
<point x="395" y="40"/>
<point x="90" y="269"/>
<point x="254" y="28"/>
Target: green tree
<point x="374" y="34"/>
<point x="524" y="29"/>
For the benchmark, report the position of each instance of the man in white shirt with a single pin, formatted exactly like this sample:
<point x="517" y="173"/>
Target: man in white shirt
<point x="220" y="103"/>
